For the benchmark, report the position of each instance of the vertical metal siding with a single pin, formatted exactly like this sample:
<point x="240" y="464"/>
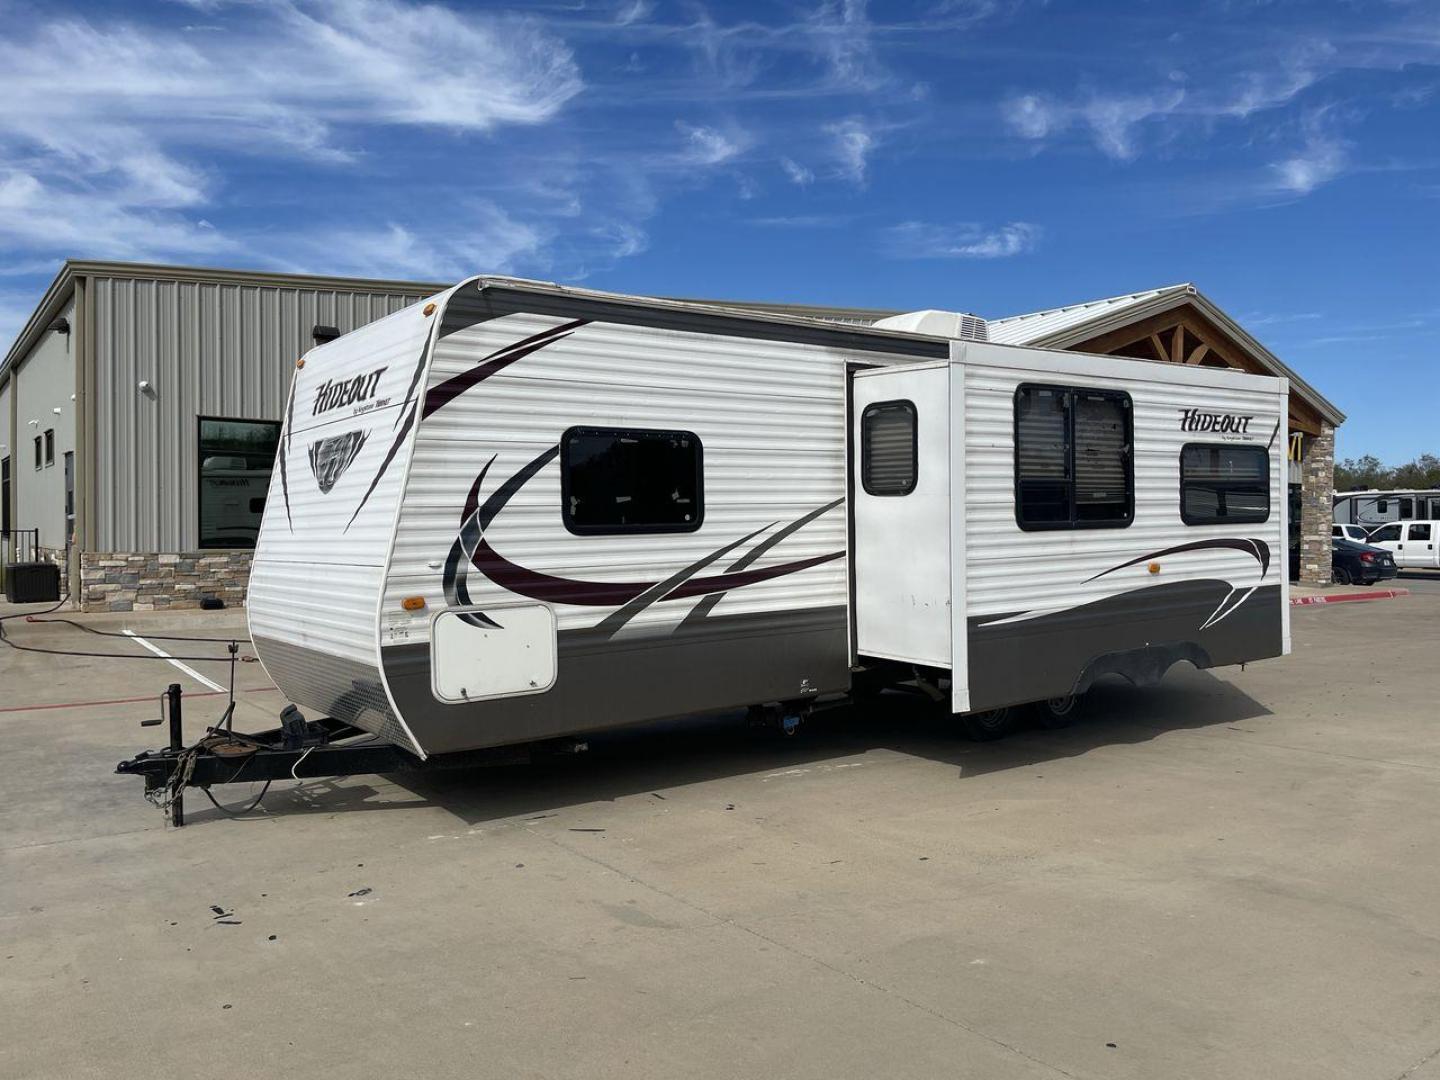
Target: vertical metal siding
<point x="207" y="349"/>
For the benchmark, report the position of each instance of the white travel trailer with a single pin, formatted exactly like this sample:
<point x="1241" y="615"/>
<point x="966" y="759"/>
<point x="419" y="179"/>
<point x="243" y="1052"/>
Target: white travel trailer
<point x="518" y="511"/>
<point x="1371" y="509"/>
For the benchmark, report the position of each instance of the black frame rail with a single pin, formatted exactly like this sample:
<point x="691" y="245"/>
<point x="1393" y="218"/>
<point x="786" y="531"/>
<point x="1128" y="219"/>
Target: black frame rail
<point x="299" y="749"/>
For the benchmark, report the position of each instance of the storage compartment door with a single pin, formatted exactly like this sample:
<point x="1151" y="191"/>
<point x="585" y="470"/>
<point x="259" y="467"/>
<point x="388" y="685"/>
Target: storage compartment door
<point x="901" y="469"/>
<point x="495" y="652"/>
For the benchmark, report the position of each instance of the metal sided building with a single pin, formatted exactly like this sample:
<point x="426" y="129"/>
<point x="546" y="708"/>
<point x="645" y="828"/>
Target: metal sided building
<point x="139" y="412"/>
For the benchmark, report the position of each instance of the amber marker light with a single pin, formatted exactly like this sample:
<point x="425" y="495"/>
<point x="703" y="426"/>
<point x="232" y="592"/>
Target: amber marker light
<point x="413" y="603"/>
<point x="429" y="309"/>
<point x="1154" y="568"/>
<point x="300" y="363"/>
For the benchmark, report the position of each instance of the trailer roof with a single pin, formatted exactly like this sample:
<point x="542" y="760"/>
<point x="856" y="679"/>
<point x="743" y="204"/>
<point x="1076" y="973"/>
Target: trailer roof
<point x="1064" y="327"/>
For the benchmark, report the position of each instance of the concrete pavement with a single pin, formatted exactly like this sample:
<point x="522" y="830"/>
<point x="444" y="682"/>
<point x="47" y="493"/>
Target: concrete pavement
<point x="1232" y="875"/>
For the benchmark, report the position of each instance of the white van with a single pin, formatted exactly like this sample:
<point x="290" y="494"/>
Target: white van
<point x="1415" y="544"/>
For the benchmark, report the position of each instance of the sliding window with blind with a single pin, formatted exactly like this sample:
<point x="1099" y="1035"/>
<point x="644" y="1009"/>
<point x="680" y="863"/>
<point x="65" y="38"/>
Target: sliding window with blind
<point x="889" y="449"/>
<point x="1073" y="467"/>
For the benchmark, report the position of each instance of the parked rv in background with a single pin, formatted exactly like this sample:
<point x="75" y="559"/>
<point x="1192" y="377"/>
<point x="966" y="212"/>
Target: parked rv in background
<point x="1375" y="508"/>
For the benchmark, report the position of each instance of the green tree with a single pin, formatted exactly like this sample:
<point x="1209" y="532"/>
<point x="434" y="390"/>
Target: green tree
<point x="1369" y="472"/>
<point x="1423" y="472"/>
<point x="1358" y="474"/>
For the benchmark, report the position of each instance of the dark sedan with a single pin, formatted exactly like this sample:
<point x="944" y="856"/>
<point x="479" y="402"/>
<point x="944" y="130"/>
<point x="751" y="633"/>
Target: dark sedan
<point x="1360" y="564"/>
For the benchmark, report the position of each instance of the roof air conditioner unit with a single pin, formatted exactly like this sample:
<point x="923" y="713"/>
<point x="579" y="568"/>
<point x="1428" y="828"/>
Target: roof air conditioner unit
<point x="950" y="324"/>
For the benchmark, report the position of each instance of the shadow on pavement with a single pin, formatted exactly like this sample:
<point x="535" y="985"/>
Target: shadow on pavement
<point x="663" y="757"/>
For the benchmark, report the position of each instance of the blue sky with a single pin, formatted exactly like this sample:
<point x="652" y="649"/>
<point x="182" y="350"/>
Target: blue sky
<point x="996" y="156"/>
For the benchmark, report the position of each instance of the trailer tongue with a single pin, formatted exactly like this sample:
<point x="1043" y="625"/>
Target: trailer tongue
<point x="299" y="749"/>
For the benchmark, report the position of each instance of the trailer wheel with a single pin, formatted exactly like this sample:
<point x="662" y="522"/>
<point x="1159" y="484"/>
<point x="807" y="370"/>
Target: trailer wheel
<point x="988" y="725"/>
<point x="1057" y="712"/>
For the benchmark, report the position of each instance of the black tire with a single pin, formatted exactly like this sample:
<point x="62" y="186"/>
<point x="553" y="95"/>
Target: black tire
<point x="1057" y="712"/>
<point x="989" y="725"/>
<point x="1340" y="576"/>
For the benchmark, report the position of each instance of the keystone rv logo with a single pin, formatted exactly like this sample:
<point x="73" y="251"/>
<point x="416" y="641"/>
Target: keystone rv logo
<point x="332" y="395"/>
<point x="329" y="458"/>
<point x="1220" y="423"/>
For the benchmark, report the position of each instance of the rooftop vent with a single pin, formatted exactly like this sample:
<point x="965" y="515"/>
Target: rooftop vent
<point x="949" y="324"/>
<point x="322" y="334"/>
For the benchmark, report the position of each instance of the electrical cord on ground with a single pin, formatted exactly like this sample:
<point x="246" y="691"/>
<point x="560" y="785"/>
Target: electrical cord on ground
<point x="29" y="616"/>
<point x="111" y="633"/>
<point x="5" y="639"/>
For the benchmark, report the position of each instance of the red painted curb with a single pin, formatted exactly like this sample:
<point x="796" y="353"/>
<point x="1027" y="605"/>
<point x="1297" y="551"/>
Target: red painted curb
<point x="1346" y="598"/>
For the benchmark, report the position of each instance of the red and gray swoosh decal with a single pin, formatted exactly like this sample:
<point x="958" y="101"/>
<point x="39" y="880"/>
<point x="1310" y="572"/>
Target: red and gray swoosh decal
<point x="632" y="597"/>
<point x="1249" y="545"/>
<point x="440" y="396"/>
<point x="1252" y="546"/>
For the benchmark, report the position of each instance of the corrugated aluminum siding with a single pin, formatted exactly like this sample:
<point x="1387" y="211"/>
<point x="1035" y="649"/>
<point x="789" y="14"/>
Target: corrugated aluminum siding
<point x="220" y="349"/>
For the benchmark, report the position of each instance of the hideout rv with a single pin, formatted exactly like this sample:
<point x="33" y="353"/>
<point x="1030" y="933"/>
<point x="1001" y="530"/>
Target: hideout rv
<point x="518" y="511"/>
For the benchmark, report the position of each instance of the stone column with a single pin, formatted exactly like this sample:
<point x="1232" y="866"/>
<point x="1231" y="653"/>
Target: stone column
<point x="1317" y="506"/>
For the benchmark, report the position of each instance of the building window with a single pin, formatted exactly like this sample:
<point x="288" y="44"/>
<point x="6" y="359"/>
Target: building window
<point x="1224" y="485"/>
<point x="39" y="453"/>
<point x="629" y="480"/>
<point x="236" y="457"/>
<point x="889" y="449"/>
<point x="49" y="447"/>
<point x="1073" y="467"/>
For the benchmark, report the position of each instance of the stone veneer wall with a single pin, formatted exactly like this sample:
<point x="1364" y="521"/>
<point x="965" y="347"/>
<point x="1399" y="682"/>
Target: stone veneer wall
<point x="152" y="581"/>
<point x="1317" y="506"/>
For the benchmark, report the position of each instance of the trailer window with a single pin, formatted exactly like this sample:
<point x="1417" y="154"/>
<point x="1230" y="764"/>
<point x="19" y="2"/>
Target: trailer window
<point x="236" y="458"/>
<point x="630" y="480"/>
<point x="1224" y="485"/>
<point x="1073" y="466"/>
<point x="889" y="454"/>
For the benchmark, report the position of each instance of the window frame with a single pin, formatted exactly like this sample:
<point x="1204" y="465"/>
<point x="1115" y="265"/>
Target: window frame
<point x="875" y="406"/>
<point x="49" y="447"/>
<point x="1228" y="520"/>
<point x="199" y="459"/>
<point x="1070" y="448"/>
<point x="39" y="453"/>
<point x="575" y="529"/>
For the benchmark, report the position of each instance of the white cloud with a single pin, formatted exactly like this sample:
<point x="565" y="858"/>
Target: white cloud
<point x="797" y="173"/>
<point x="103" y="123"/>
<point x="469" y="238"/>
<point x="37" y="215"/>
<point x="1321" y="160"/>
<point x="1032" y="116"/>
<point x="1281" y="82"/>
<point x="707" y="145"/>
<point x="853" y="143"/>
<point x="1112" y="119"/>
<point x="966" y="240"/>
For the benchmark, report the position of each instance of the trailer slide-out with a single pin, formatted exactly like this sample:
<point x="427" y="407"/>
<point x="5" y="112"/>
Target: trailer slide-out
<point x="517" y="512"/>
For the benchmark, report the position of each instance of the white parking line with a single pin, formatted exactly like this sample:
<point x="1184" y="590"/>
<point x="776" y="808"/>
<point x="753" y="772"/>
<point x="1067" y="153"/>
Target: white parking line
<point x="183" y="667"/>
